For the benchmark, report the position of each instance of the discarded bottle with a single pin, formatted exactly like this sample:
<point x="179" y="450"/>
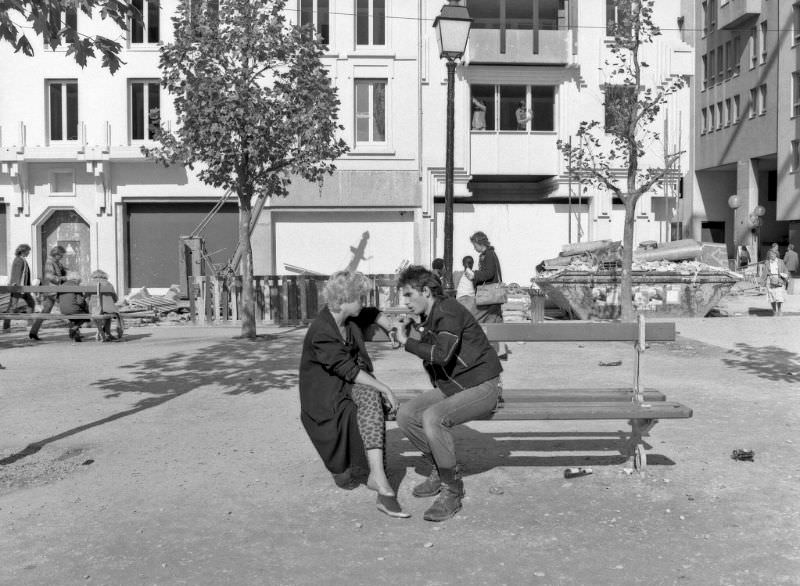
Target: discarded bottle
<point x="575" y="472"/>
<point x="743" y="455"/>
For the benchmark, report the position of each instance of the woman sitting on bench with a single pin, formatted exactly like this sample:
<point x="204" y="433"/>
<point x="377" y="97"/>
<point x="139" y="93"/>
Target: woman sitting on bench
<point x="104" y="303"/>
<point x="71" y="304"/>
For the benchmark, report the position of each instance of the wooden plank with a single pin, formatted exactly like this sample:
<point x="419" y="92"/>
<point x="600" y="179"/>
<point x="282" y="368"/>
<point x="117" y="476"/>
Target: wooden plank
<point x="50" y="289"/>
<point x="525" y="396"/>
<point x="590" y="410"/>
<point x="578" y="332"/>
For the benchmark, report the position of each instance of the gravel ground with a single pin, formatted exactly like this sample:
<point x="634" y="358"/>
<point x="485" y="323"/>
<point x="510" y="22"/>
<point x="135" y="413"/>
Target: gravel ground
<point x="177" y="457"/>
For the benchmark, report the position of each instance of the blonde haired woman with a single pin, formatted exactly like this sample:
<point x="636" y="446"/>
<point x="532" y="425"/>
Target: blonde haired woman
<point x="341" y="400"/>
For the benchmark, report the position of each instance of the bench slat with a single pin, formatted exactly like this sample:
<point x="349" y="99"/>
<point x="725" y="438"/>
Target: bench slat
<point x="88" y="289"/>
<point x="30" y="316"/>
<point x="579" y="332"/>
<point x="591" y="410"/>
<point x="514" y="396"/>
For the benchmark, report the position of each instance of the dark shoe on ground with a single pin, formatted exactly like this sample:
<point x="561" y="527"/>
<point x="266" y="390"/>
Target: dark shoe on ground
<point x="431" y="486"/>
<point x="34" y="337"/>
<point x="388" y="504"/>
<point x="447" y="504"/>
<point x="345" y="481"/>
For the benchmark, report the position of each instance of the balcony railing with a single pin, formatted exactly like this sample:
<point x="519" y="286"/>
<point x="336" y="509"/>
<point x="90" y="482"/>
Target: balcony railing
<point x="735" y="12"/>
<point x="519" y="46"/>
<point x="514" y="153"/>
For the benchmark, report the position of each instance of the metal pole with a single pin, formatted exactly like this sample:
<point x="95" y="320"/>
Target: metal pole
<point x="448" y="180"/>
<point x="569" y="215"/>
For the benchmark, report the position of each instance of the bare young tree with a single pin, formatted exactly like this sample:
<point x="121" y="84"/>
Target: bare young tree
<point x="607" y="156"/>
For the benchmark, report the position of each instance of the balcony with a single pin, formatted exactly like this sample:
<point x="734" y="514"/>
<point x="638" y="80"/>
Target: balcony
<point x="519" y="46"/>
<point x="735" y="12"/>
<point x="514" y="153"/>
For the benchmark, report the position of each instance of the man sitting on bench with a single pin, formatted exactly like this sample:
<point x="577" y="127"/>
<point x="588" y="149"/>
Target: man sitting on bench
<point x="466" y="373"/>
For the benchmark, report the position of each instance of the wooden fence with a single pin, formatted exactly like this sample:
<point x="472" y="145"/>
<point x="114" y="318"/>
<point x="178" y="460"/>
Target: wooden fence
<point x="280" y="299"/>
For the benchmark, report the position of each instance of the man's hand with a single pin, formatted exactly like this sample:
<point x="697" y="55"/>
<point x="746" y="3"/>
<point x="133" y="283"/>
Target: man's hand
<point x="406" y="323"/>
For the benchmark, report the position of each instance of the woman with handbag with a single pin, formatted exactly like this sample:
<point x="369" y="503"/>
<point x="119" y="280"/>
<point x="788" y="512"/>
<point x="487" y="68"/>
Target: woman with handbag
<point x="20" y="275"/>
<point x="775" y="278"/>
<point x="490" y="293"/>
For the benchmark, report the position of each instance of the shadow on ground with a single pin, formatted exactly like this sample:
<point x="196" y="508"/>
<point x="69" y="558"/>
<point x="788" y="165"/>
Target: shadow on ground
<point x="769" y="362"/>
<point x="237" y="366"/>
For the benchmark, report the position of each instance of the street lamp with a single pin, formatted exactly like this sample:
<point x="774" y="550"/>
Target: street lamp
<point x="452" y="31"/>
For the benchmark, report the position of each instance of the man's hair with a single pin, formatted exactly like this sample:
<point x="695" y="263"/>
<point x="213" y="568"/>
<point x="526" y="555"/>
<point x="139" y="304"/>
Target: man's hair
<point x="98" y="274"/>
<point x="344" y="287"/>
<point x="437" y="264"/>
<point x="480" y="238"/>
<point x="58" y="250"/>
<point x="790" y="247"/>
<point x="418" y="277"/>
<point x="21" y="249"/>
<point x="468" y="262"/>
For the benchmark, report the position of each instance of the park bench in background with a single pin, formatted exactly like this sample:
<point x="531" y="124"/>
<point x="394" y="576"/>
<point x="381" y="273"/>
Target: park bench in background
<point x="50" y="289"/>
<point x="642" y="408"/>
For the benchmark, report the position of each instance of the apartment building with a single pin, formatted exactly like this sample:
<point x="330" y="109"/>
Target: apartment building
<point x="747" y="117"/>
<point x="71" y="171"/>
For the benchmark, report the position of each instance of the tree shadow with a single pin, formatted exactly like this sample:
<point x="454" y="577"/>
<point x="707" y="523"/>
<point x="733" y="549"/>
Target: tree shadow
<point x="768" y="362"/>
<point x="479" y="452"/>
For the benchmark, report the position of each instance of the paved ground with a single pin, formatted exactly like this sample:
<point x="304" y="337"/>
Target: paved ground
<point x="177" y="457"/>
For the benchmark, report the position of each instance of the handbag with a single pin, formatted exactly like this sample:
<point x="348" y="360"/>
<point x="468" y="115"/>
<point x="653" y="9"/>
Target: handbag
<point x="490" y="294"/>
<point x="775" y="281"/>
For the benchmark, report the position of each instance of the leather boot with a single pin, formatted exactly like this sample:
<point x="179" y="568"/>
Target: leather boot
<point x="432" y="485"/>
<point x="448" y="503"/>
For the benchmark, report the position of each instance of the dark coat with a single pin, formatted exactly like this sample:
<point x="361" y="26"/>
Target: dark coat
<point x="328" y="369"/>
<point x="20" y="272"/>
<point x="455" y="351"/>
<point x="488" y="272"/>
<point x="72" y="303"/>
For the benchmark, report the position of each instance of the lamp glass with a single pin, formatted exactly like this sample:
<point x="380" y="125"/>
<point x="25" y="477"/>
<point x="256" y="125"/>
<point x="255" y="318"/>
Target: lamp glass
<point x="452" y="37"/>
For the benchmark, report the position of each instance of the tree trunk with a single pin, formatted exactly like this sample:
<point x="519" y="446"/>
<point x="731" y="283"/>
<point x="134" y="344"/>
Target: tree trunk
<point x="247" y="308"/>
<point x="626" y="284"/>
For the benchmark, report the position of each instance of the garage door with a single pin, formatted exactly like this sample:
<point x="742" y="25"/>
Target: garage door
<point x="325" y="242"/>
<point x="153" y="236"/>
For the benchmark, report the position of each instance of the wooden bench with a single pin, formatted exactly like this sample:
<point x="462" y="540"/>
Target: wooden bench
<point x="84" y="289"/>
<point x="642" y="408"/>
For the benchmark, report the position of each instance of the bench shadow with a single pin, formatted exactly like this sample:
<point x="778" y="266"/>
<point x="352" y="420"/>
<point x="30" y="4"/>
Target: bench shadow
<point x="480" y="452"/>
<point x="237" y="366"/>
<point x="759" y="311"/>
<point x="768" y="362"/>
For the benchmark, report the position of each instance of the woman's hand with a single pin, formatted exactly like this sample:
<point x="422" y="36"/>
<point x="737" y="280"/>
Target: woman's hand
<point x="394" y="403"/>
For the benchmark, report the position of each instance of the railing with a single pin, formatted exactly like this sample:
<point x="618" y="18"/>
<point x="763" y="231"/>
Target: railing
<point x="279" y="299"/>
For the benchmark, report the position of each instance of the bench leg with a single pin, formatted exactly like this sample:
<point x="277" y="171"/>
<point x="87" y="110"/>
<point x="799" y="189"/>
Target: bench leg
<point x="635" y="446"/>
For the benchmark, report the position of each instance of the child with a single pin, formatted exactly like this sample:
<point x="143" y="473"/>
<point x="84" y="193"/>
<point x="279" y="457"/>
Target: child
<point x="72" y="303"/>
<point x="465" y="292"/>
<point x="104" y="303"/>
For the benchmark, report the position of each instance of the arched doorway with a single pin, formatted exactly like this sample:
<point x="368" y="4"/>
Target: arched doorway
<point x="68" y="229"/>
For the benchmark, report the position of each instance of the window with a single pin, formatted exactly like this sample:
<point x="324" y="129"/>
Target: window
<point x="736" y="56"/>
<point x="317" y="14"/>
<point x="65" y="18"/>
<point x="736" y="110"/>
<point x="796" y="22"/>
<point x="62" y="182"/>
<point x="711" y="71"/>
<point x="720" y="116"/>
<point x="705" y="71"/>
<point x="729" y="59"/>
<point x="62" y="98"/>
<point x="370" y="111"/>
<point x="763" y="42"/>
<point x="712" y="232"/>
<point x="617" y="12"/>
<point x="753" y="48"/>
<point x="720" y="64"/>
<point x="146" y="31"/>
<point x="728" y="112"/>
<point x="753" y="102"/>
<point x="795" y="156"/>
<point x="370" y="22"/>
<point x="762" y="99"/>
<point x="703" y="121"/>
<point x="618" y="104"/>
<point x="513" y="107"/>
<point x="712" y="15"/>
<point x="143" y="98"/>
<point x="711" y="118"/>
<point x="796" y="93"/>
<point x="705" y="18"/>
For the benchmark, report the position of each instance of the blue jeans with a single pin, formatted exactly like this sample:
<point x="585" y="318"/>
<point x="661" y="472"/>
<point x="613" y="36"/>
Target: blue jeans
<point x="427" y="419"/>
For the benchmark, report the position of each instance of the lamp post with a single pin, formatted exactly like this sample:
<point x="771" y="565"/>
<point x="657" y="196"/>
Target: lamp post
<point x="452" y="31"/>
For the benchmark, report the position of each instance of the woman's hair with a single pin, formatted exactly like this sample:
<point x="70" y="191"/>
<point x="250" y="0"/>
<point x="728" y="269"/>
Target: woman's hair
<point x="418" y="277"/>
<point x="22" y="249"/>
<point x="771" y="253"/>
<point x="468" y="262"/>
<point x="480" y="238"/>
<point x="58" y="250"/>
<point x="344" y="287"/>
<point x="98" y="274"/>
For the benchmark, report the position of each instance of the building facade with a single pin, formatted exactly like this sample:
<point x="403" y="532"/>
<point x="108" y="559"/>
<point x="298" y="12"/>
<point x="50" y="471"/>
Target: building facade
<point x="747" y="117"/>
<point x="71" y="171"/>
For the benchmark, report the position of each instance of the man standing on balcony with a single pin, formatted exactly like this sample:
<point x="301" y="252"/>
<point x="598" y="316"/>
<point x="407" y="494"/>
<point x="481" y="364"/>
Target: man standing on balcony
<point x="523" y="116"/>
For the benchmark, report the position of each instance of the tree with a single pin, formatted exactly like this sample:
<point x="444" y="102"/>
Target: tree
<point x="254" y="105"/>
<point x="606" y="155"/>
<point x="50" y="19"/>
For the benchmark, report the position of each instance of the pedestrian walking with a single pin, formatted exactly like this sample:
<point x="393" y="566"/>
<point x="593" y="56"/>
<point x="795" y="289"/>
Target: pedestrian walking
<point x="775" y="279"/>
<point x="54" y="274"/>
<point x="791" y="261"/>
<point x="20" y="275"/>
<point x="488" y="272"/>
<point x="465" y="373"/>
